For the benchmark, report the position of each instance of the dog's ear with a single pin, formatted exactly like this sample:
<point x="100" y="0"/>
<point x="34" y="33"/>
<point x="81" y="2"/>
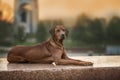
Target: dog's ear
<point x="67" y="32"/>
<point x="52" y="31"/>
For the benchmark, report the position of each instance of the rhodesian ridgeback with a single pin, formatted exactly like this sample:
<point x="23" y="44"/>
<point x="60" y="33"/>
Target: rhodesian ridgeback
<point x="47" y="52"/>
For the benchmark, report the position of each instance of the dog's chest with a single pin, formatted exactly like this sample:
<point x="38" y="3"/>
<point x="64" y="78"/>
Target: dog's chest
<point x="57" y="52"/>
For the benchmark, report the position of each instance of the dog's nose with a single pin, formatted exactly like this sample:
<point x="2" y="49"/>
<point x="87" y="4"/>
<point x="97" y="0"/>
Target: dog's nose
<point x="63" y="36"/>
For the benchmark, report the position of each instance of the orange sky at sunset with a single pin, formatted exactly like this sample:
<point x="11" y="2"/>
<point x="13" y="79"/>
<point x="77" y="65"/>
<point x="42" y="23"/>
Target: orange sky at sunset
<point x="72" y="8"/>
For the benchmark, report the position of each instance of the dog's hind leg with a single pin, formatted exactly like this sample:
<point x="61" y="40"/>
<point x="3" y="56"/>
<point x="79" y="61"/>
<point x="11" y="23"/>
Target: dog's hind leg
<point x="16" y="59"/>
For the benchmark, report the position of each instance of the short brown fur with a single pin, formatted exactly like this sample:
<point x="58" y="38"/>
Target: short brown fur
<point x="47" y="52"/>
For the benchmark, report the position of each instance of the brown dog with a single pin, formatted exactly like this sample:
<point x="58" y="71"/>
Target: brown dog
<point x="47" y="52"/>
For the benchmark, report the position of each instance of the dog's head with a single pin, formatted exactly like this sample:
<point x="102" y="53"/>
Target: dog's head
<point x="59" y="32"/>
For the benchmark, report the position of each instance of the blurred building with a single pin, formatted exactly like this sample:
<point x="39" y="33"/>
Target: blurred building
<point x="26" y="15"/>
<point x="113" y="50"/>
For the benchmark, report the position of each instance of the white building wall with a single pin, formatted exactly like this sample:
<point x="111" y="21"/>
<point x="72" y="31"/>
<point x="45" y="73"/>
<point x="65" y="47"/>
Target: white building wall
<point x="32" y="20"/>
<point x="113" y="49"/>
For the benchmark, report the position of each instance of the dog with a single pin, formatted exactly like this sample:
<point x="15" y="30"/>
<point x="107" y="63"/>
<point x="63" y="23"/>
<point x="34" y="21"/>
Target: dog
<point x="46" y="53"/>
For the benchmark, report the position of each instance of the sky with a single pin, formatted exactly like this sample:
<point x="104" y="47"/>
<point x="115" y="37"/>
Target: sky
<point x="73" y="8"/>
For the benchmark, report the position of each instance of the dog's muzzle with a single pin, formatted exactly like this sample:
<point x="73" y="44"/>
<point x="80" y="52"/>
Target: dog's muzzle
<point x="63" y="36"/>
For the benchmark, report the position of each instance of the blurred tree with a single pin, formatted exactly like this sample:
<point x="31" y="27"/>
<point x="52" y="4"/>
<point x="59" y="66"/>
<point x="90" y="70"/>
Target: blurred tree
<point x="41" y="33"/>
<point x="96" y="32"/>
<point x="6" y="33"/>
<point x="51" y="23"/>
<point x="79" y="32"/>
<point x="89" y="31"/>
<point x="113" y="31"/>
<point x="57" y="22"/>
<point x="21" y="36"/>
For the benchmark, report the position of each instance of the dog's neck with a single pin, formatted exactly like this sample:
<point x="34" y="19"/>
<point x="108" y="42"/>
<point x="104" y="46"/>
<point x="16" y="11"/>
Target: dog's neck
<point x="56" y="43"/>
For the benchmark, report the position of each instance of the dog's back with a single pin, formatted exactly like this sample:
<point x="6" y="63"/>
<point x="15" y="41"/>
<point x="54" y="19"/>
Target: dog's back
<point x="18" y="53"/>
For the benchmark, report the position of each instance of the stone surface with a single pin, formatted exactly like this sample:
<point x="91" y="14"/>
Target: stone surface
<point x="104" y="68"/>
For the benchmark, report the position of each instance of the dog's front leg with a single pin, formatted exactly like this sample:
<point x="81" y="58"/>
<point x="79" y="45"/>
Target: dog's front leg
<point x="72" y="62"/>
<point x="64" y="56"/>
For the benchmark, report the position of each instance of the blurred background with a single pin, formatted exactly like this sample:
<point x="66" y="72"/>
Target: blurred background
<point x="94" y="25"/>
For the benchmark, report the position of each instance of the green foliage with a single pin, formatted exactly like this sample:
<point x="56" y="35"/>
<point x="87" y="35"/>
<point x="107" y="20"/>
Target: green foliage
<point x="89" y="31"/>
<point x="5" y="33"/>
<point x="20" y="36"/>
<point x="85" y="33"/>
<point x="96" y="32"/>
<point x="41" y="33"/>
<point x="113" y="31"/>
<point x="79" y="30"/>
<point x="57" y="22"/>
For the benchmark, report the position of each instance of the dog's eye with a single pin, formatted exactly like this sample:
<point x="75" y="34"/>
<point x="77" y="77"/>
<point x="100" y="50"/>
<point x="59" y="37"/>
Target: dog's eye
<point x="58" y="30"/>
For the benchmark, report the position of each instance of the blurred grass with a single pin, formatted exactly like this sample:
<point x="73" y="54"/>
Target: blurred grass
<point x="71" y="44"/>
<point x="68" y="43"/>
<point x="25" y="43"/>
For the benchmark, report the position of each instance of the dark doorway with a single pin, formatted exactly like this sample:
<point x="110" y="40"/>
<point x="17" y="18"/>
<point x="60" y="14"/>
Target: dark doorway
<point x="24" y="16"/>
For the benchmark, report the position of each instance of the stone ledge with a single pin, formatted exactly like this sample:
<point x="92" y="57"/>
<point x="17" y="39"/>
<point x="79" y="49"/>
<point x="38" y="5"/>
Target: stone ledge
<point x="105" y="68"/>
<point x="63" y="74"/>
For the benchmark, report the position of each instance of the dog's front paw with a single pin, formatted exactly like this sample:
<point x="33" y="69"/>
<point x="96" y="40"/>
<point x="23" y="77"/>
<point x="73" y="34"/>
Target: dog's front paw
<point x="87" y="63"/>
